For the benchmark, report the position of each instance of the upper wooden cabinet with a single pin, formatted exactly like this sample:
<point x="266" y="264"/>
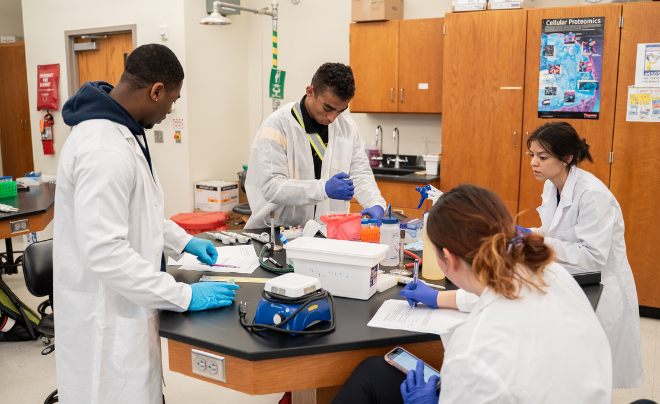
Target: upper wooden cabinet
<point x="483" y="108"/>
<point x="397" y="66"/>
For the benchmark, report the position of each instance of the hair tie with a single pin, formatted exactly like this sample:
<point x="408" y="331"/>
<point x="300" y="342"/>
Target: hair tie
<point x="518" y="240"/>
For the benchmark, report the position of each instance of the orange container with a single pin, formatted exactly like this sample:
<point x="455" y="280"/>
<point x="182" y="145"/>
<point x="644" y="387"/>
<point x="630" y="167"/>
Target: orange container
<point x="199" y="222"/>
<point x="370" y="235"/>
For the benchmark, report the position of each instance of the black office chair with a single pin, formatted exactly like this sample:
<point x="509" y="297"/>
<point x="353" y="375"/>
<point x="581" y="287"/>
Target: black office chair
<point x="243" y="208"/>
<point x="38" y="273"/>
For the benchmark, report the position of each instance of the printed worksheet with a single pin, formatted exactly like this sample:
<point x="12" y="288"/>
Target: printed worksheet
<point x="399" y="315"/>
<point x="242" y="257"/>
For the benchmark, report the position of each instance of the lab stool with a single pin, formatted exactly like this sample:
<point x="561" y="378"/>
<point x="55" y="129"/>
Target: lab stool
<point x="38" y="273"/>
<point x="242" y="209"/>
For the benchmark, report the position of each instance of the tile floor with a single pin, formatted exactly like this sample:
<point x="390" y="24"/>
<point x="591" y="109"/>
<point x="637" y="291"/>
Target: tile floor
<point x="28" y="377"/>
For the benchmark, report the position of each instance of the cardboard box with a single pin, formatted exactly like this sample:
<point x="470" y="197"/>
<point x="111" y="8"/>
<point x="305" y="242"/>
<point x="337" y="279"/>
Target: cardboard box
<point x="10" y="38"/>
<point x="216" y="196"/>
<point x="508" y="5"/>
<point x="459" y="6"/>
<point x="376" y="10"/>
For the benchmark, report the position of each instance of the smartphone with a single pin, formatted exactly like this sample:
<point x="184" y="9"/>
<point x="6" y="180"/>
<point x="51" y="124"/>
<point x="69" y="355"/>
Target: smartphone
<point x="405" y="361"/>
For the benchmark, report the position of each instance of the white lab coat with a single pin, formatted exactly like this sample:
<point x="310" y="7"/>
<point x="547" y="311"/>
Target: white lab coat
<point x="281" y="171"/>
<point x="540" y="348"/>
<point x="108" y="239"/>
<point x="587" y="232"/>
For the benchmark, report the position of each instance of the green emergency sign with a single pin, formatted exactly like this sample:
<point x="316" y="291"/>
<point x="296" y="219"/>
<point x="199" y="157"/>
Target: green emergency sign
<point x="277" y="84"/>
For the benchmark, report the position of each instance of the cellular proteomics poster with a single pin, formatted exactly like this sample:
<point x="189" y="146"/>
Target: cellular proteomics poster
<point x="571" y="68"/>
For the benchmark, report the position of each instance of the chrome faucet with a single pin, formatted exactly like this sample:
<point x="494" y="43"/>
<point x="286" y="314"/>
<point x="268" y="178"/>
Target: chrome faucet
<point x="397" y="159"/>
<point x="379" y="135"/>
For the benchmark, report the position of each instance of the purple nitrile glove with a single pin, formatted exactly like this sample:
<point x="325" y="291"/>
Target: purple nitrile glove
<point x="420" y="293"/>
<point x="374" y="212"/>
<point x="203" y="249"/>
<point x="524" y="230"/>
<point x="339" y="188"/>
<point x="415" y="390"/>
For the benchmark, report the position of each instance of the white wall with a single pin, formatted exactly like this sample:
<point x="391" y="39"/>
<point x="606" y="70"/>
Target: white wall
<point x="216" y="76"/>
<point x="44" y="27"/>
<point x="11" y="17"/>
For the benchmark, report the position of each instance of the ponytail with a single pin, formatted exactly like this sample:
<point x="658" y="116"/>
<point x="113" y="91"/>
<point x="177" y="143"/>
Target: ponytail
<point x="583" y="152"/>
<point x="501" y="262"/>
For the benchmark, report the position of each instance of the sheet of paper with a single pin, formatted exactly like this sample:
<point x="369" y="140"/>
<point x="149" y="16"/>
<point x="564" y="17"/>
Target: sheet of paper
<point x="399" y="315"/>
<point x="643" y="105"/>
<point x="647" y="69"/>
<point x="243" y="257"/>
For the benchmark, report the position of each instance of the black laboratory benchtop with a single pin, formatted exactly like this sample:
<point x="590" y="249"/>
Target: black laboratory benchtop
<point x="33" y="202"/>
<point x="220" y="331"/>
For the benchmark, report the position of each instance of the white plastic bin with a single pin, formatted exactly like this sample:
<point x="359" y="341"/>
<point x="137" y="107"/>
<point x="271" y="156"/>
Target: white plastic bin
<point x="345" y="268"/>
<point x="431" y="164"/>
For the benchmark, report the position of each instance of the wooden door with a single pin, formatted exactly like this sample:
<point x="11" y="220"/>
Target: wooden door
<point x="597" y="132"/>
<point x="484" y="73"/>
<point x="374" y="57"/>
<point x="420" y="65"/>
<point x="108" y="62"/>
<point x="635" y="179"/>
<point x="15" y="135"/>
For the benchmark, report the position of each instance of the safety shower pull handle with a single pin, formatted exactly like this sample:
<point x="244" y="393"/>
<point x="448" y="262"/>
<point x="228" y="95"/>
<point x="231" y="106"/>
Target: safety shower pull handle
<point x="391" y="94"/>
<point x="514" y="138"/>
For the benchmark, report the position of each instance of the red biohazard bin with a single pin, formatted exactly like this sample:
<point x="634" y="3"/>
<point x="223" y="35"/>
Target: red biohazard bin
<point x="199" y="222"/>
<point x="342" y="226"/>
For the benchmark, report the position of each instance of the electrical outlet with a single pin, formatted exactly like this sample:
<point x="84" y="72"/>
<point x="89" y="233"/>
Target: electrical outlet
<point x="208" y="365"/>
<point x="158" y="136"/>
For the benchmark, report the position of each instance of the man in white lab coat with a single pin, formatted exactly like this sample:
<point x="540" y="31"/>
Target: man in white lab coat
<point x="110" y="235"/>
<point x="303" y="154"/>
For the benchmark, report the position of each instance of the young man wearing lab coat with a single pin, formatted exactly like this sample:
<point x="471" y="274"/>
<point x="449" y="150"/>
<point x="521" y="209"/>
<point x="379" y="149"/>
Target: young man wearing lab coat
<point x="110" y="235"/>
<point x="303" y="154"/>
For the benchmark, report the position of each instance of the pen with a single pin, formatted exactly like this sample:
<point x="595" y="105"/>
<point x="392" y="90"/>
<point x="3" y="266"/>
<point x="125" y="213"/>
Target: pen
<point x="224" y="266"/>
<point x="277" y="264"/>
<point x="415" y="275"/>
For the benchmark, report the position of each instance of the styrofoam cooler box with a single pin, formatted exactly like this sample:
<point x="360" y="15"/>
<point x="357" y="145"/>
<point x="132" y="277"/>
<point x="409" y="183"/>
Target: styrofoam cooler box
<point x="345" y="268"/>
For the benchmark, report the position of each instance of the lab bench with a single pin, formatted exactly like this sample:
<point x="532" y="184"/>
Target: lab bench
<point x="311" y="366"/>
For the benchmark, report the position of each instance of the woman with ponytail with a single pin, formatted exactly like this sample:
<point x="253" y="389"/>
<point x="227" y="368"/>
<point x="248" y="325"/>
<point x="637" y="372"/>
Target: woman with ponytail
<point x="532" y="336"/>
<point x="583" y="223"/>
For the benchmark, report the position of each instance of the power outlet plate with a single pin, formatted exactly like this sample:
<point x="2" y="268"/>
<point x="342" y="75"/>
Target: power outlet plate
<point x="178" y="139"/>
<point x="158" y="136"/>
<point x="208" y="365"/>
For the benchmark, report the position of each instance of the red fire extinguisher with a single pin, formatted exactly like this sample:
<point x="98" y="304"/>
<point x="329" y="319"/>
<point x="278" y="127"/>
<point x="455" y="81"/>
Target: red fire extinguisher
<point x="46" y="128"/>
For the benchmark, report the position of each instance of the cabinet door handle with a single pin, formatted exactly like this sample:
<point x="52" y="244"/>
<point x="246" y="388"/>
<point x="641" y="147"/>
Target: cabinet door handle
<point x="391" y="94"/>
<point x="401" y="95"/>
<point x="22" y="127"/>
<point x="514" y="138"/>
<point x="398" y="210"/>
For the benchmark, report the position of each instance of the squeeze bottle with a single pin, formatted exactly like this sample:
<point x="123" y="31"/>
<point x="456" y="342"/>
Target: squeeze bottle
<point x="389" y="235"/>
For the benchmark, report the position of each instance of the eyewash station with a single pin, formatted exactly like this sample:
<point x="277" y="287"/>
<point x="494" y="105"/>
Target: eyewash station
<point x="308" y="313"/>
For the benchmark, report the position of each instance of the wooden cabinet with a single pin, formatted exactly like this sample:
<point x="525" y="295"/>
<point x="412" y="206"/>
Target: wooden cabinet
<point x="635" y="179"/>
<point x="597" y="132"/>
<point x="397" y="66"/>
<point x="402" y="196"/>
<point x="490" y="96"/>
<point x="483" y="99"/>
<point x="15" y="133"/>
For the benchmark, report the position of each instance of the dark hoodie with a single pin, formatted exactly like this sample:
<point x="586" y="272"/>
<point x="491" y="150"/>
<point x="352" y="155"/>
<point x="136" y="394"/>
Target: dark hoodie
<point x="93" y="101"/>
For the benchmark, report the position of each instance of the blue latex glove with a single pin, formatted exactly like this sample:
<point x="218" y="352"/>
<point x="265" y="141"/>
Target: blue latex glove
<point x="415" y="390"/>
<point x="204" y="250"/>
<point x="374" y="212"/>
<point x="524" y="230"/>
<point x="336" y="188"/>
<point x="420" y="293"/>
<point x="211" y="295"/>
